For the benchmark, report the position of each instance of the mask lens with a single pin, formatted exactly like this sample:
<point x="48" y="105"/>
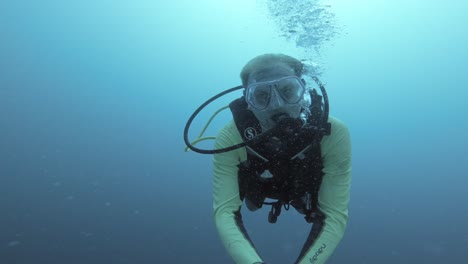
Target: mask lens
<point x="291" y="90"/>
<point x="258" y="96"/>
<point x="261" y="96"/>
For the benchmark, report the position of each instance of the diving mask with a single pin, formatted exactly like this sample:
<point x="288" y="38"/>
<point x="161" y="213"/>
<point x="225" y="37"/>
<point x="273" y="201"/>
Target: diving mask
<point x="260" y="95"/>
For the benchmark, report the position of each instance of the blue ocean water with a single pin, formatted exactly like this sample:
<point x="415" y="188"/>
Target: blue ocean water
<point x="94" y="96"/>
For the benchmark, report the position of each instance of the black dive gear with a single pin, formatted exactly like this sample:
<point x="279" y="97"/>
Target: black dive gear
<point x="287" y="166"/>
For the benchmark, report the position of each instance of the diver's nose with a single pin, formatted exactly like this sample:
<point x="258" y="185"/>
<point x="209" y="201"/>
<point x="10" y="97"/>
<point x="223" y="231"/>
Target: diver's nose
<point x="275" y="100"/>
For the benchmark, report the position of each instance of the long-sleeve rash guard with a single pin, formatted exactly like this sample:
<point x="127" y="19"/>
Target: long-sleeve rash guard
<point x="333" y="196"/>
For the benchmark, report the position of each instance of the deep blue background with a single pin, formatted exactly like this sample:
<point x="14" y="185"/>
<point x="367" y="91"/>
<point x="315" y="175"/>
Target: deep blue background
<point x="94" y="96"/>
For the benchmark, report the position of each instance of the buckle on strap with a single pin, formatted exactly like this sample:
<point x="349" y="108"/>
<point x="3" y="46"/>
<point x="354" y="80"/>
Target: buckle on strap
<point x="276" y="211"/>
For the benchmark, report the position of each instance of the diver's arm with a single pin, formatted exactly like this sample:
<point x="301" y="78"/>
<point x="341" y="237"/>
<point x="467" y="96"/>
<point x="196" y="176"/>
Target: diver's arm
<point x="226" y="201"/>
<point x="333" y="196"/>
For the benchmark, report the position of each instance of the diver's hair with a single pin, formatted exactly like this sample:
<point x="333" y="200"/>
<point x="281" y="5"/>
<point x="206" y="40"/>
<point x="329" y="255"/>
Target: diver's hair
<point x="266" y="62"/>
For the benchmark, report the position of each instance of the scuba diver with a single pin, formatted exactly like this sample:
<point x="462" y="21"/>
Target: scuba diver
<point x="281" y="149"/>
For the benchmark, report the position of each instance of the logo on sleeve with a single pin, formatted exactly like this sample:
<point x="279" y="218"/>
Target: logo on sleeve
<point x="316" y="255"/>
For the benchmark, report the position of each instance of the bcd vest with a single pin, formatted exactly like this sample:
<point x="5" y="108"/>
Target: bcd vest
<point x="292" y="176"/>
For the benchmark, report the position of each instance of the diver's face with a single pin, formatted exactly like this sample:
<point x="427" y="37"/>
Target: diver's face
<point x="276" y="105"/>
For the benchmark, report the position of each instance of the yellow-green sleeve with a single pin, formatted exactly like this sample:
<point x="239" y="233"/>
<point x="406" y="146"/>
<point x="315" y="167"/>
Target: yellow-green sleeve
<point x="334" y="192"/>
<point x="226" y="201"/>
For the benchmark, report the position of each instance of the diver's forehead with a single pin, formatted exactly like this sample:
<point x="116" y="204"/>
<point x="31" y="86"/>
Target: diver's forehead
<point x="272" y="73"/>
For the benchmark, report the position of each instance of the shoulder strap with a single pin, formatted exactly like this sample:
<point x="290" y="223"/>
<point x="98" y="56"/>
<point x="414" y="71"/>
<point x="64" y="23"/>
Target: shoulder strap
<point x="245" y="120"/>
<point x="317" y="116"/>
